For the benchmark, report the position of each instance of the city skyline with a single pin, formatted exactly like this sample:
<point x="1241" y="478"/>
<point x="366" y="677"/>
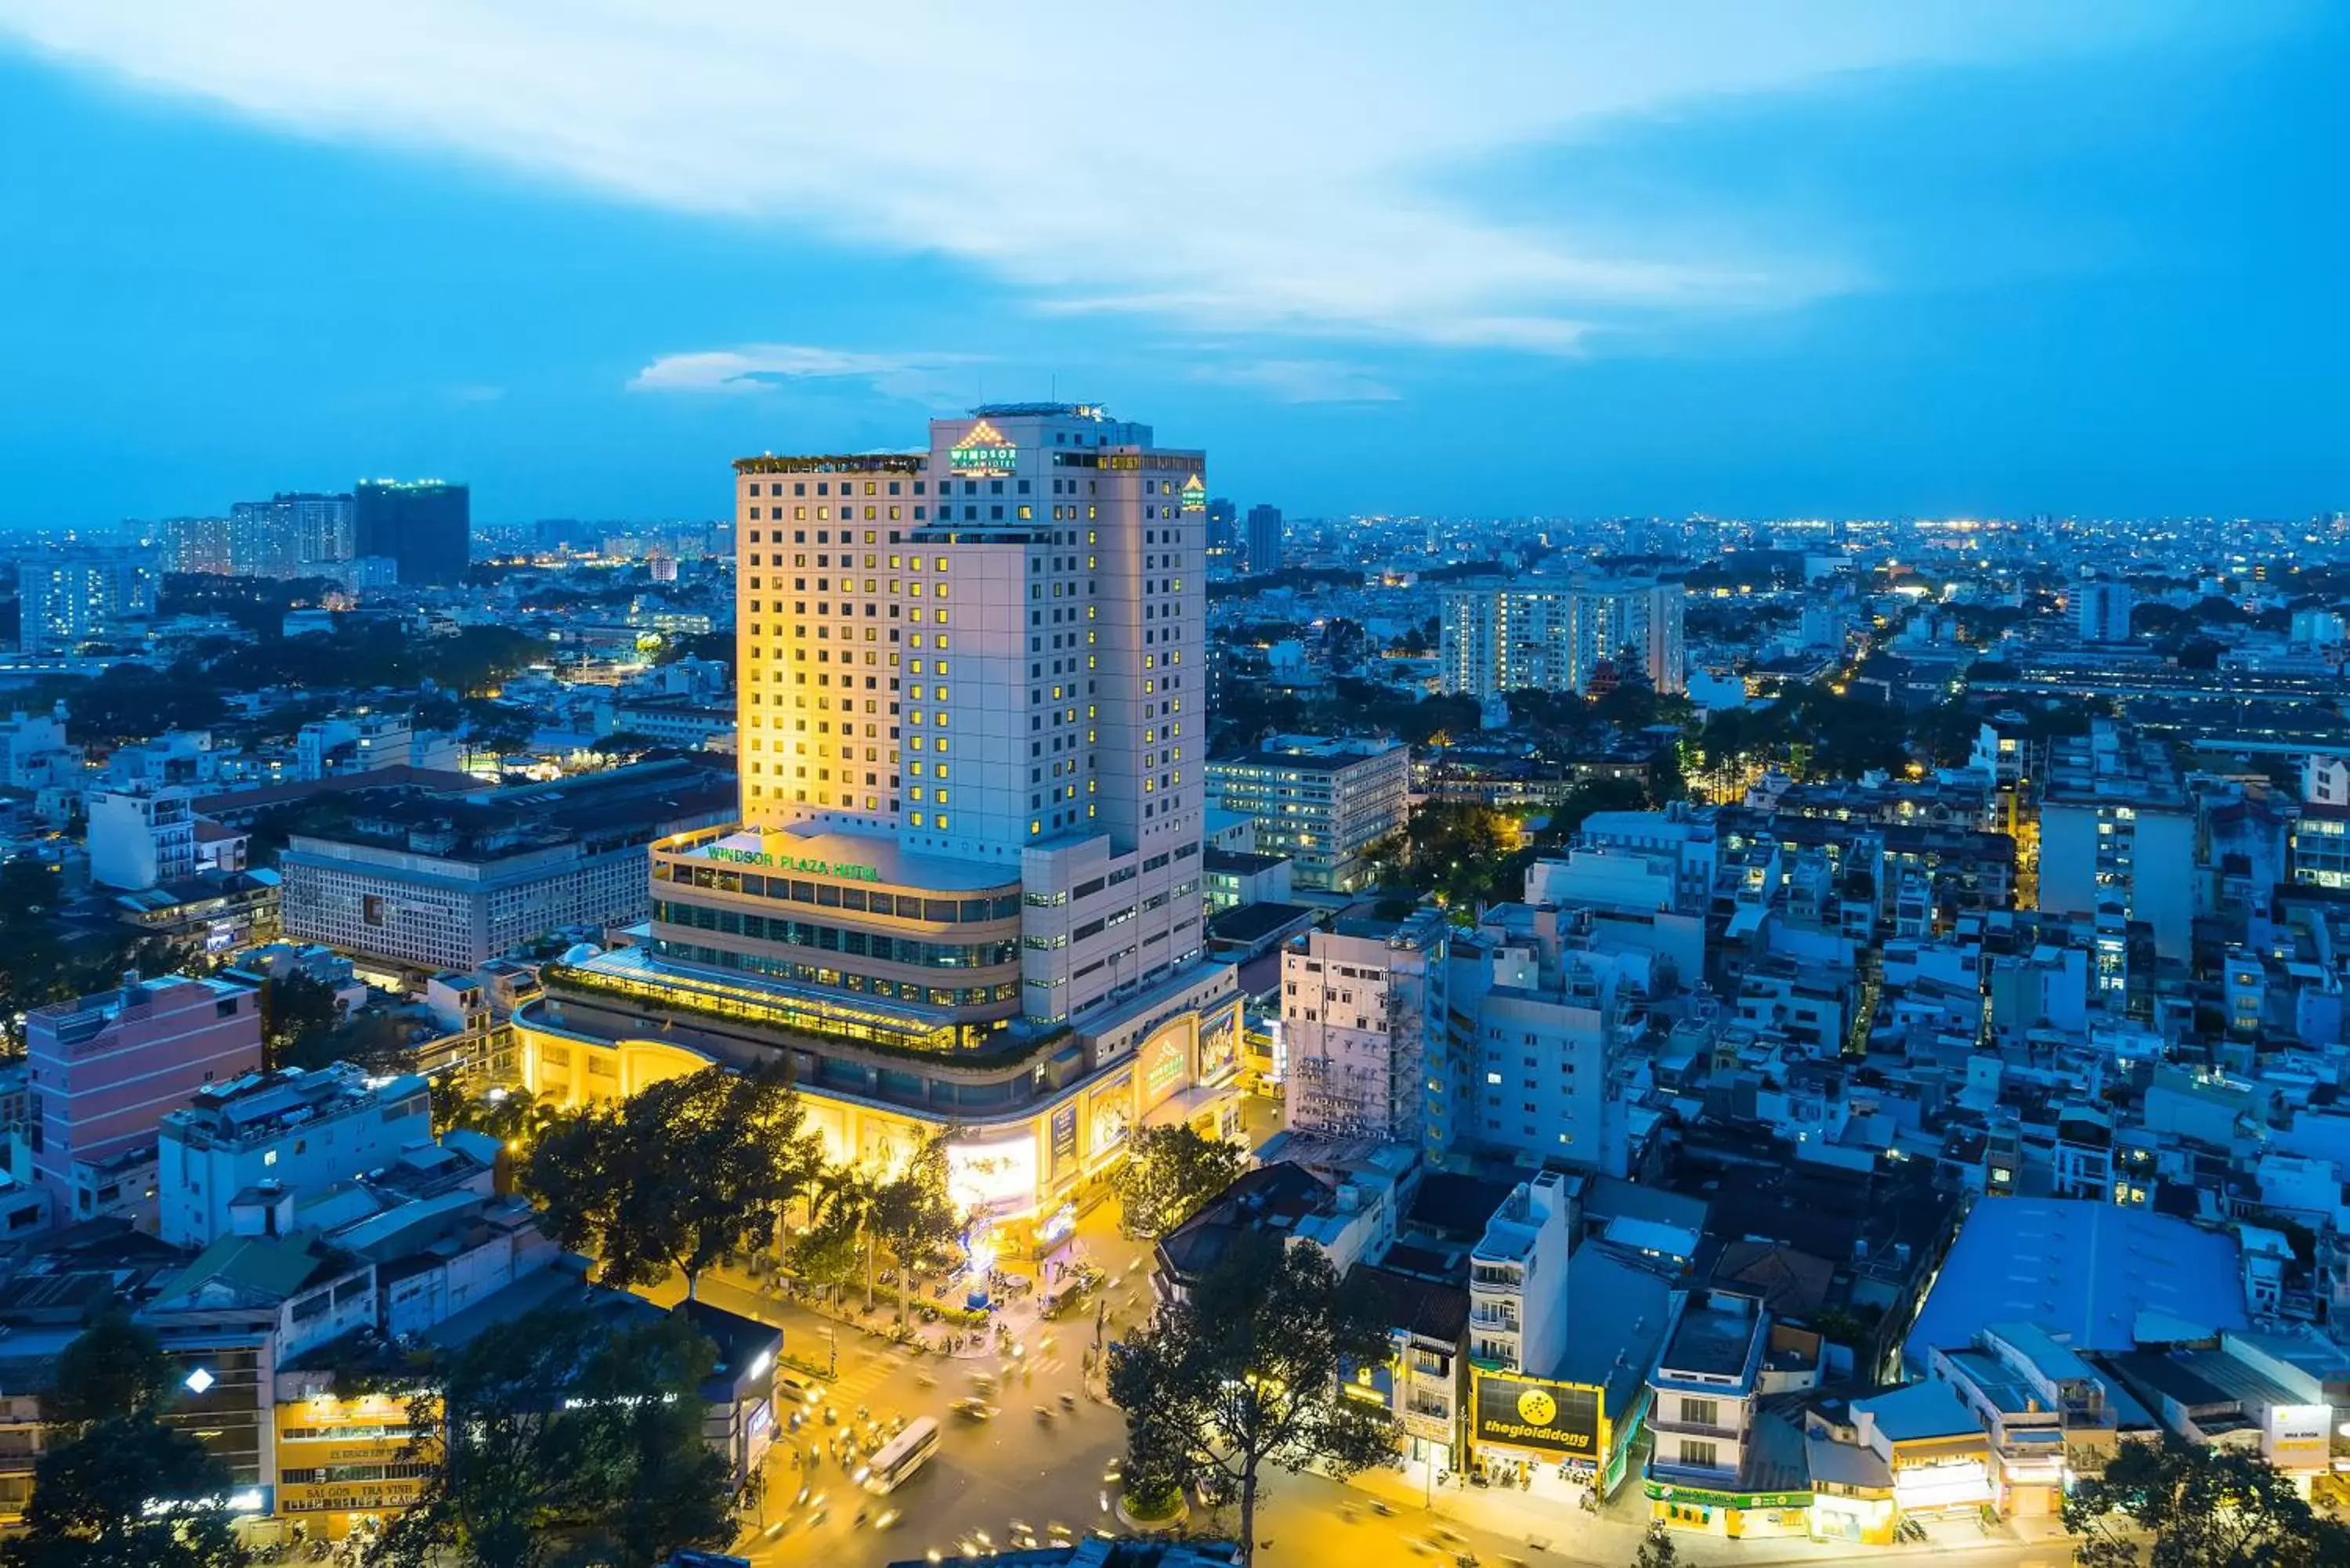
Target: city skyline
<point x="1845" y="264"/>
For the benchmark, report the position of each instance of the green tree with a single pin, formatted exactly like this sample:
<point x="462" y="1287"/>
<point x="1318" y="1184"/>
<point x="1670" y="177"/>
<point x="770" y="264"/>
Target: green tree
<point x="1243" y="1372"/>
<point x="559" y="1438"/>
<point x="382" y="1043"/>
<point x="915" y="1216"/>
<point x="114" y="1369"/>
<point x="837" y="1243"/>
<point x="681" y="1175"/>
<point x="1656" y="1548"/>
<point x="659" y="1484"/>
<point x="295" y="1010"/>
<point x="2206" y="1507"/>
<point x="1169" y="1173"/>
<point x="126" y="1492"/>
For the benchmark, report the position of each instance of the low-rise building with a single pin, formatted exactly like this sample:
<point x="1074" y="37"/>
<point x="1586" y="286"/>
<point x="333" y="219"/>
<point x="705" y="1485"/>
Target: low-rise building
<point x="1914" y="1451"/>
<point x="433" y="884"/>
<point x="2049" y="1414"/>
<point x="1719" y="1462"/>
<point x="105" y="1071"/>
<point x="286" y="1131"/>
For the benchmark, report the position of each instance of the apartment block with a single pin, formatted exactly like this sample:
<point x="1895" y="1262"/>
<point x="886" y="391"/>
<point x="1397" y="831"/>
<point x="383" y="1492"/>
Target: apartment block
<point x="1361" y="1007"/>
<point x="1324" y="803"/>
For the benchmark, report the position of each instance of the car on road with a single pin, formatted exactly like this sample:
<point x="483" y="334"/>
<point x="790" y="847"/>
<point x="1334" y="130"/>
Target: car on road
<point x="974" y="1409"/>
<point x="791" y="1385"/>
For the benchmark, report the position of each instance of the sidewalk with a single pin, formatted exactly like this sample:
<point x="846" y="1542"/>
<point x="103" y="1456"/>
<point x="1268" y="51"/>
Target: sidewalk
<point x="1568" y="1531"/>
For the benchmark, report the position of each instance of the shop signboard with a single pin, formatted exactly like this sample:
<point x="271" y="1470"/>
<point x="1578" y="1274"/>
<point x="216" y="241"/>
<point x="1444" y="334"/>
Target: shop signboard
<point x="1524" y="1412"/>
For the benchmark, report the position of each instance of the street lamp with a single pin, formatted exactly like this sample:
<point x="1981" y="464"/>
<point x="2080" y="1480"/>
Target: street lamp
<point x="832" y="1352"/>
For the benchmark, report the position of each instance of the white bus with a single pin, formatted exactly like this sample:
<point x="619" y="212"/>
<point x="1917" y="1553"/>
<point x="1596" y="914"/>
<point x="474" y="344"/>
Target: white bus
<point x="901" y="1456"/>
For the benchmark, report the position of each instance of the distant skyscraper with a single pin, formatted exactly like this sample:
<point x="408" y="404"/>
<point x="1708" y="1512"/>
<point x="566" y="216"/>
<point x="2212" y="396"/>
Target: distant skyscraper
<point x="81" y="595"/>
<point x="2103" y="611"/>
<point x="1263" y="539"/>
<point x="1223" y="526"/>
<point x="425" y="525"/>
<point x="288" y="534"/>
<point x="198" y="544"/>
<point x="1554" y="638"/>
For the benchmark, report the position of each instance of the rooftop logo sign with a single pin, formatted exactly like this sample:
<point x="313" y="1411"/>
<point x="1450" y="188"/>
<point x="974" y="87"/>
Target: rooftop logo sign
<point x="840" y="868"/>
<point x="982" y="449"/>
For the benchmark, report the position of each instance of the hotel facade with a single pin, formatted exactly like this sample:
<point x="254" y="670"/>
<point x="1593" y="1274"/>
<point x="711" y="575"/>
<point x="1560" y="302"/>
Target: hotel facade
<point x="964" y="897"/>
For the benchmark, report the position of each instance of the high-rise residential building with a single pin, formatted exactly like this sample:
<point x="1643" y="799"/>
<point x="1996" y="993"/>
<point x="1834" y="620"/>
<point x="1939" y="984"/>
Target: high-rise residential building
<point x="1263" y="540"/>
<point x="104" y="1069"/>
<point x="199" y="544"/>
<point x="1360" y="1006"/>
<point x="290" y="534"/>
<point x="81" y="593"/>
<point x="2102" y="611"/>
<point x="1325" y="804"/>
<point x="1554" y="636"/>
<point x="426" y="526"/>
<point x="965" y="894"/>
<point x="2117" y="836"/>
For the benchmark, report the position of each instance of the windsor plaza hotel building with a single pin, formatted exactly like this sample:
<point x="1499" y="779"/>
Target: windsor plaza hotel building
<point x="965" y="894"/>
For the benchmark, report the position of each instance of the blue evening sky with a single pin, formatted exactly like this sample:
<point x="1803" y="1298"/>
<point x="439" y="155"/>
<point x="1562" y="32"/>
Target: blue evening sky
<point x="1795" y="259"/>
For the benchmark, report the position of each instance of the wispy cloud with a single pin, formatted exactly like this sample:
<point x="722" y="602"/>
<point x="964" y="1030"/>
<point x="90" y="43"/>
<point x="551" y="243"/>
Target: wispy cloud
<point x="1302" y="380"/>
<point x="749" y="367"/>
<point x="1302" y="168"/>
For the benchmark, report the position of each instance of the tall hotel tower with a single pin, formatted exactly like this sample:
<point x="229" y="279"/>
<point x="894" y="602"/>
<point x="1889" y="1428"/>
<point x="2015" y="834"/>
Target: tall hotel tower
<point x="964" y="897"/>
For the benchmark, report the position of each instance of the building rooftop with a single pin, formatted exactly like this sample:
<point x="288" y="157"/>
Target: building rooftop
<point x="1716" y="1338"/>
<point x="853" y="856"/>
<point x="256" y="1270"/>
<point x="1311" y="753"/>
<point x="1272" y="1198"/>
<point x="2080" y="1268"/>
<point x="1621" y="1313"/>
<point x="1919" y="1413"/>
<point x="264" y="1105"/>
<point x="1430" y="1308"/>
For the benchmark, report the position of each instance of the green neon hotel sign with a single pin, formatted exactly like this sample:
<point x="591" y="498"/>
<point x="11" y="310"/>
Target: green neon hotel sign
<point x="840" y="868"/>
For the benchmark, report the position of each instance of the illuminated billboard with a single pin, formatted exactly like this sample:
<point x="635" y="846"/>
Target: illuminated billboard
<point x="1537" y="1413"/>
<point x="996" y="1178"/>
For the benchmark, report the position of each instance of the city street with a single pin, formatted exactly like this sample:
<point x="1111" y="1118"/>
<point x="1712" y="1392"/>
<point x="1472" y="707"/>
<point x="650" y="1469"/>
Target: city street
<point x="1021" y="1467"/>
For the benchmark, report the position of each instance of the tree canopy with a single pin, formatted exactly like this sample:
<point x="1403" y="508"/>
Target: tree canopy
<point x="679" y="1176"/>
<point x="1169" y="1173"/>
<point x="123" y="1490"/>
<point x="1245" y="1372"/>
<point x="915" y="1215"/>
<point x="2207" y="1508"/>
<point x="43" y="959"/>
<point x="559" y="1436"/>
<point x="115" y="1367"/>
